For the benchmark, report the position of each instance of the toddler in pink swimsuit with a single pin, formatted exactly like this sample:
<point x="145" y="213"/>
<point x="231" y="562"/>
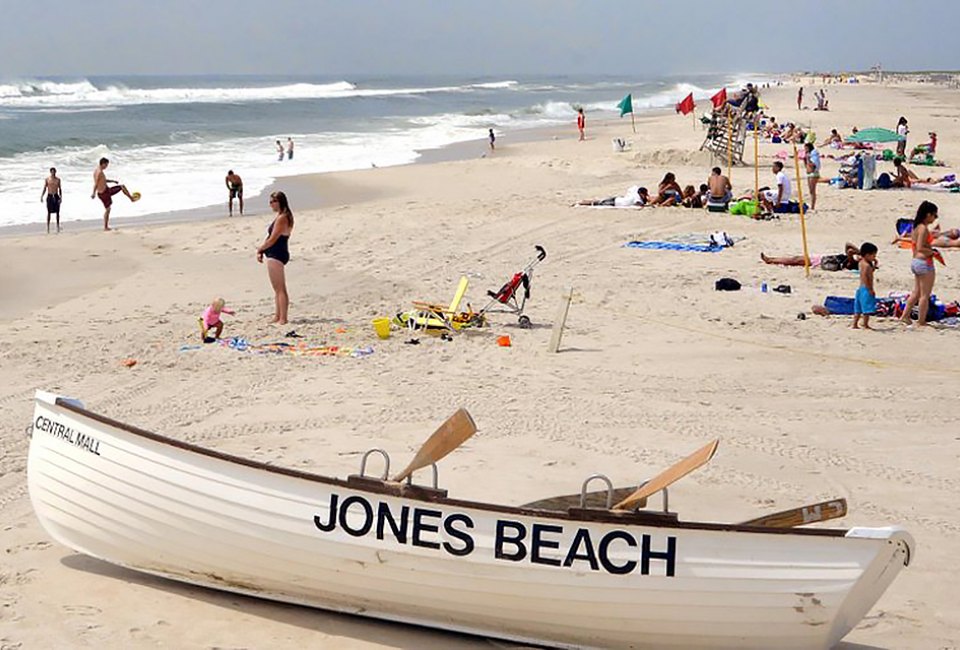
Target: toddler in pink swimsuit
<point x="211" y="319"/>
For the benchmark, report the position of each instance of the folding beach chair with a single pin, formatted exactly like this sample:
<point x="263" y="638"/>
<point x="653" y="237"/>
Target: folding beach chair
<point x="425" y="315"/>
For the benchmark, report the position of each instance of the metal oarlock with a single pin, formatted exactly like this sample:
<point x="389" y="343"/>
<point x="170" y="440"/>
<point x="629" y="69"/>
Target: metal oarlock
<point x="436" y="477"/>
<point x="666" y="497"/>
<point x="386" y="463"/>
<point x="586" y="483"/>
<point x="28" y="430"/>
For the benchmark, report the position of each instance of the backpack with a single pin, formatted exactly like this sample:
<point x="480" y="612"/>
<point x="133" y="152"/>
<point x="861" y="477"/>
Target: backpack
<point x="884" y="182"/>
<point x="727" y="284"/>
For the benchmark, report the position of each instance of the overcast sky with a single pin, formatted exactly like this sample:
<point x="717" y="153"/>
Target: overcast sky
<point x="472" y="37"/>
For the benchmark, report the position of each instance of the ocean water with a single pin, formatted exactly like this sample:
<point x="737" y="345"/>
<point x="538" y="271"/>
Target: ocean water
<point x="174" y="138"/>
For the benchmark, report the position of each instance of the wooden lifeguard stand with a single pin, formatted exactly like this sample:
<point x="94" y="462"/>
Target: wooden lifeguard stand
<point x="726" y="134"/>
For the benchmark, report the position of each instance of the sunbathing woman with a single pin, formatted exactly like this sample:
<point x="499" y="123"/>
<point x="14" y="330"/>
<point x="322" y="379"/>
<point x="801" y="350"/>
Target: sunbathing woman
<point x="834" y="140"/>
<point x="635" y="197"/>
<point x="942" y="238"/>
<point x="906" y="178"/>
<point x="669" y="192"/>
<point x="848" y="260"/>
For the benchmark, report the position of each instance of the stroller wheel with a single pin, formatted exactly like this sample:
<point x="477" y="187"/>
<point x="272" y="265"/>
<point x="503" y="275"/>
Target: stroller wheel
<point x="525" y="323"/>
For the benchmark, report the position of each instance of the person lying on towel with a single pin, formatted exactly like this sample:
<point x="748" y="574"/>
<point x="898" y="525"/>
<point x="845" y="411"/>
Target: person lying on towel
<point x="636" y="196"/>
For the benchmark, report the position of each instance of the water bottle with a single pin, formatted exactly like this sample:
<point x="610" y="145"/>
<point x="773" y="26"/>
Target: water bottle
<point x="763" y="287"/>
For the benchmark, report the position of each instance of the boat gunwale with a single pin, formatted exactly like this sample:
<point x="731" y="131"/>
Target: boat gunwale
<point x="429" y="495"/>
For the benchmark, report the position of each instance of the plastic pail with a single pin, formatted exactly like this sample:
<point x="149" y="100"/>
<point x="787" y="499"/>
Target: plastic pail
<point x="382" y="327"/>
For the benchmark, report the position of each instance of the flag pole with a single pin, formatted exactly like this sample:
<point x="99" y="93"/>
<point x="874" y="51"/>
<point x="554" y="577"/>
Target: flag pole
<point x="803" y="221"/>
<point x="632" y="121"/>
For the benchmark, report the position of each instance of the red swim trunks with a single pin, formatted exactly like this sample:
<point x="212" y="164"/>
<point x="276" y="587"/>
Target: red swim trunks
<point x="106" y="196"/>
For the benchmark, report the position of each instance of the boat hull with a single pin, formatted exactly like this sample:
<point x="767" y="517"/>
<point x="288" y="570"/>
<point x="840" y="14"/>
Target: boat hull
<point x="140" y="501"/>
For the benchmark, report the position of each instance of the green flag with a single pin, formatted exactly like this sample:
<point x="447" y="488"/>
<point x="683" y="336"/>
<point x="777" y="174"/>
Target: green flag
<point x="626" y="105"/>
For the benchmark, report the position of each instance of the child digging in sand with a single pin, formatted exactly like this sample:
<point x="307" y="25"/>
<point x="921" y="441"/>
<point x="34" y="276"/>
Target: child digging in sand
<point x="211" y="319"/>
<point x="865" y="302"/>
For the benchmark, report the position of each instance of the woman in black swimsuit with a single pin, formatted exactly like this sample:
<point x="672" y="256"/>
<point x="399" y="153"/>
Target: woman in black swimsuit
<point x="274" y="248"/>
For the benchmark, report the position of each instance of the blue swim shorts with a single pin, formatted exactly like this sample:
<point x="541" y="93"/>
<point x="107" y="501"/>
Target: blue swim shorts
<point x="864" y="303"/>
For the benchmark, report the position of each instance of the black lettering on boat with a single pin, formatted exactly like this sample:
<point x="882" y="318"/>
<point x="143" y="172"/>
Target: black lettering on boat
<point x="420" y="527"/>
<point x="461" y="535"/>
<point x="537" y="543"/>
<point x="344" y="518"/>
<point x="331" y="522"/>
<point x="504" y="538"/>
<point x="669" y="556"/>
<point x="604" y="552"/>
<point x="582" y="538"/>
<point x="398" y="528"/>
<point x="63" y="432"/>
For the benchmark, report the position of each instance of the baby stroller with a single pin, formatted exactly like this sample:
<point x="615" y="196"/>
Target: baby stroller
<point x="508" y="299"/>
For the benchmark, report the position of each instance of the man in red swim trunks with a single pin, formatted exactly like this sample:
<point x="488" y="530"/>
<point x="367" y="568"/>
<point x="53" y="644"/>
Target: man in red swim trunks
<point x="104" y="191"/>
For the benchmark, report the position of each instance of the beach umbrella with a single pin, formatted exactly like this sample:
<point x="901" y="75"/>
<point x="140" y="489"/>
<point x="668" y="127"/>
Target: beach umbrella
<point x="875" y="134"/>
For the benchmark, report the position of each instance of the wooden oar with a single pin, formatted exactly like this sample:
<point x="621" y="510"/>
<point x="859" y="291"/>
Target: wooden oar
<point x="668" y="476"/>
<point x="833" y="509"/>
<point x="595" y="499"/>
<point x="450" y="435"/>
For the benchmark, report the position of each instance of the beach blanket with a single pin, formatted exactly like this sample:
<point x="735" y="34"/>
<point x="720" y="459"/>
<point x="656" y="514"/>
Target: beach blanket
<point x="702" y="238"/>
<point x="611" y="207"/>
<point x="241" y="344"/>
<point x="893" y="306"/>
<point x="674" y="246"/>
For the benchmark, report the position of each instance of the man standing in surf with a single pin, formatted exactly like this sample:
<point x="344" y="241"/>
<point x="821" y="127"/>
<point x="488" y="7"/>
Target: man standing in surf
<point x="54" y="193"/>
<point x="581" y="123"/>
<point x="102" y="189"/>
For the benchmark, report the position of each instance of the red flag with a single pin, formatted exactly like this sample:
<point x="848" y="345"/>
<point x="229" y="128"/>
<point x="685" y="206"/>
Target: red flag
<point x="686" y="106"/>
<point x="720" y="98"/>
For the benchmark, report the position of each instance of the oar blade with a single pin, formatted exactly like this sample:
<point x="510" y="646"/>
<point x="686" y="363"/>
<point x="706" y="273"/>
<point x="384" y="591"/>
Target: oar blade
<point x="451" y="434"/>
<point x="823" y="511"/>
<point x="670" y="475"/>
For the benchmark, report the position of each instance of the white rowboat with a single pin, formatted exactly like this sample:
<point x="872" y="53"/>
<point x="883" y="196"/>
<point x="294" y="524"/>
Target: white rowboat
<point x="583" y="578"/>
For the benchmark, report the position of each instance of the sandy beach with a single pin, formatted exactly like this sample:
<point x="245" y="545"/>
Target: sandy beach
<point x="654" y="362"/>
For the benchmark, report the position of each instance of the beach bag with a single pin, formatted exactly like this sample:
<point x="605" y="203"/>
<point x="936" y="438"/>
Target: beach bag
<point x="884" y="182"/>
<point x="839" y="305"/>
<point x="727" y="284"/>
<point x="744" y="207"/>
<point x="904" y="226"/>
<point x="721" y="239"/>
<point x="832" y="262"/>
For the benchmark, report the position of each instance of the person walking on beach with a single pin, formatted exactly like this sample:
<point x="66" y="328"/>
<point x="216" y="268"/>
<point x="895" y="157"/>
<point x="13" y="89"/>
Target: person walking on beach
<point x="279" y="151"/>
<point x="921" y="265"/>
<point x="102" y="190"/>
<point x="235" y="189"/>
<point x="289" y="149"/>
<point x="581" y="123"/>
<point x="813" y="172"/>
<point x="800" y="98"/>
<point x="275" y="249"/>
<point x="865" y="301"/>
<point x="492" y="139"/>
<point x="902" y="131"/>
<point x="54" y="192"/>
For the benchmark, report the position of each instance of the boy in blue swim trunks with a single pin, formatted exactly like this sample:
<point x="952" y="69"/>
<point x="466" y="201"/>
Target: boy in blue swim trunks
<point x="865" y="302"/>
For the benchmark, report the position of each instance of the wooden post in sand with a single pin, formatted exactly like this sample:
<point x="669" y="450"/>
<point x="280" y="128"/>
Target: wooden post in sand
<point x="756" y="159"/>
<point x="803" y="221"/>
<point x="560" y="321"/>
<point x="729" y="141"/>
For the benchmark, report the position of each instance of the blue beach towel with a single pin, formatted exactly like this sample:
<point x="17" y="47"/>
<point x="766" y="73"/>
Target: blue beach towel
<point x="674" y="246"/>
